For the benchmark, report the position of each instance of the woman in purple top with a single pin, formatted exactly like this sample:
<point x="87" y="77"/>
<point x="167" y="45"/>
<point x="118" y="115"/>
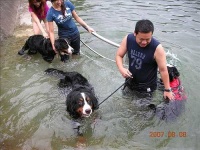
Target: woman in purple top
<point x="38" y="10"/>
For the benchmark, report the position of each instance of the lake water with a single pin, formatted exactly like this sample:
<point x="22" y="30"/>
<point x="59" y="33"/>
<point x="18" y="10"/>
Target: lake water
<point x="32" y="108"/>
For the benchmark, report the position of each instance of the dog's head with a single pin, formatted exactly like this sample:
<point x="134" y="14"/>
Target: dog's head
<point x="63" y="49"/>
<point x="173" y="72"/>
<point x="81" y="104"/>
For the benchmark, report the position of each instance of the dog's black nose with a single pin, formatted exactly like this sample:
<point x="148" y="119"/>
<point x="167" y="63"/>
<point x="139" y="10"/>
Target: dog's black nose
<point x="21" y="52"/>
<point x="88" y="111"/>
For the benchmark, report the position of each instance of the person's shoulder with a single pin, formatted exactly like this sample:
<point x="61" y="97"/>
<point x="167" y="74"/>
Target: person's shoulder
<point x="50" y="9"/>
<point x="155" y="41"/>
<point x="48" y="4"/>
<point x="130" y="37"/>
<point x="50" y="12"/>
<point x="69" y="4"/>
<point x="30" y="9"/>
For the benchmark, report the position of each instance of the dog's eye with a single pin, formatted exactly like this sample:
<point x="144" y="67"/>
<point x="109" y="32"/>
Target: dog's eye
<point x="88" y="100"/>
<point x="80" y="103"/>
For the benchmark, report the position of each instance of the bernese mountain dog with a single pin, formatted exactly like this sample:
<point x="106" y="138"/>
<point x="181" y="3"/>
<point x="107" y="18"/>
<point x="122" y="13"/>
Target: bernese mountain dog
<point x="81" y="101"/>
<point x="38" y="43"/>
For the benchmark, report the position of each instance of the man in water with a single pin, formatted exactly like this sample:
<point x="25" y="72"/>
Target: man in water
<point x="146" y="55"/>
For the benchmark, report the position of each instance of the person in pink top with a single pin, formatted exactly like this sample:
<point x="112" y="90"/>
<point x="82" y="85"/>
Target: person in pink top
<point x="38" y="10"/>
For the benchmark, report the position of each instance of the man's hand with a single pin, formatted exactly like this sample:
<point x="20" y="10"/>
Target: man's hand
<point x="126" y="73"/>
<point x="168" y="95"/>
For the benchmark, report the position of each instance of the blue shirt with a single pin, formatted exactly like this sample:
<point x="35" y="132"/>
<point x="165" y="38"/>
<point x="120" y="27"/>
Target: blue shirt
<point x="142" y="63"/>
<point x="66" y="25"/>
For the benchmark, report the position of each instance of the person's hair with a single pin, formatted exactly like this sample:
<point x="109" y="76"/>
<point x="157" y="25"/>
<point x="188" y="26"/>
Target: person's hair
<point x="40" y="9"/>
<point x="63" y="8"/>
<point x="144" y="26"/>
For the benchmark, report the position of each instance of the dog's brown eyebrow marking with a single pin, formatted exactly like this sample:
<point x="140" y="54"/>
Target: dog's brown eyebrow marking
<point x="81" y="100"/>
<point x="88" y="98"/>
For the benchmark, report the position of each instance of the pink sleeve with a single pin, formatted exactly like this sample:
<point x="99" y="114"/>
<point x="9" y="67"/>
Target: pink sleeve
<point x="46" y="9"/>
<point x="30" y="9"/>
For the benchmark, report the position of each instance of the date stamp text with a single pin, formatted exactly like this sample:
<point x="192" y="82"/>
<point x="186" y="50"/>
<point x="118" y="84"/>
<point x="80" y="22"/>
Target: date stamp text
<point x="169" y="134"/>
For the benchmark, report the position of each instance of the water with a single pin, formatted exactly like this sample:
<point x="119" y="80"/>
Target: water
<point x="32" y="108"/>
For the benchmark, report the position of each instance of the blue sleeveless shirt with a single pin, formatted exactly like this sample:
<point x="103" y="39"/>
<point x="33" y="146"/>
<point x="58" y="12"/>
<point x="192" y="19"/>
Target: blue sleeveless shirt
<point x="142" y="64"/>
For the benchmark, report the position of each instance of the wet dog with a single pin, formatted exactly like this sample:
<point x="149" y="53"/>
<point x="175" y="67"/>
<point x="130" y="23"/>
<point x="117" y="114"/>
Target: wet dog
<point x="37" y="43"/>
<point x="81" y="100"/>
<point x="175" y="83"/>
<point x="169" y="110"/>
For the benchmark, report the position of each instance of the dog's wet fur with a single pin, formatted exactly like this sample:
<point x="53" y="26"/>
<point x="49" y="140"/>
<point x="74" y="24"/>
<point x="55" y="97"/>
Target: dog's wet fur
<point x="81" y="101"/>
<point x="37" y="43"/>
<point x="169" y="110"/>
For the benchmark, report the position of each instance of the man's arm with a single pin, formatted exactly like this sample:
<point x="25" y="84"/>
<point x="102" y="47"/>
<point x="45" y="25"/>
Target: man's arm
<point x="160" y="58"/>
<point x="119" y="59"/>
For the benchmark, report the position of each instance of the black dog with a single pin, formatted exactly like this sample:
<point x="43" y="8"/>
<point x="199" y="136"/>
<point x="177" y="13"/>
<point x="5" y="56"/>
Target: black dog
<point x="169" y="110"/>
<point x="37" y="43"/>
<point x="175" y="83"/>
<point x="81" y="100"/>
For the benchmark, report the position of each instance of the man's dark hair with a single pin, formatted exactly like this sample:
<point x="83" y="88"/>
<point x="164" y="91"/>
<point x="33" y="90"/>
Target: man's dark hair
<point x="144" y="26"/>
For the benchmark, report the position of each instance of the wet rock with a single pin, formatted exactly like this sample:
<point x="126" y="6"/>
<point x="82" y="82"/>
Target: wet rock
<point x="9" y="17"/>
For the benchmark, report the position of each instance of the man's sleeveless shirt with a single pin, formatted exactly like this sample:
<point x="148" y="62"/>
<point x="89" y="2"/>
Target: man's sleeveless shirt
<point x="142" y="64"/>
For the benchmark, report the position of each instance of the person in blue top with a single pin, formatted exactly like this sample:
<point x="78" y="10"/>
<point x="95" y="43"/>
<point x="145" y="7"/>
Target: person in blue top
<point x="145" y="55"/>
<point x="62" y="13"/>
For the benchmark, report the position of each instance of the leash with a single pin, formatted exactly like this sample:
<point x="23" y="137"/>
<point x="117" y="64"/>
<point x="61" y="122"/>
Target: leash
<point x="103" y="38"/>
<point x="97" y="52"/>
<point x="114" y="91"/>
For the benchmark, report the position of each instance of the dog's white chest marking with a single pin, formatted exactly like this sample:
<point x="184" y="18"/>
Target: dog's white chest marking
<point x="87" y="110"/>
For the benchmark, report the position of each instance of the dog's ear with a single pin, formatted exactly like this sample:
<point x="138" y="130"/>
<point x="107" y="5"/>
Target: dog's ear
<point x="171" y="73"/>
<point x="71" y="104"/>
<point x="176" y="72"/>
<point x="94" y="100"/>
<point x="95" y="103"/>
<point x="61" y="44"/>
